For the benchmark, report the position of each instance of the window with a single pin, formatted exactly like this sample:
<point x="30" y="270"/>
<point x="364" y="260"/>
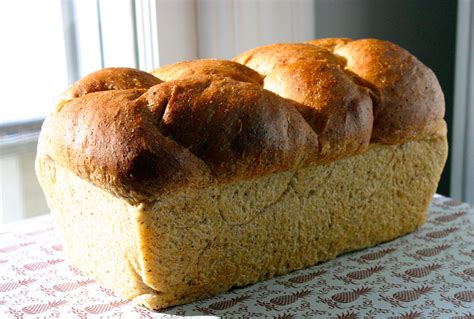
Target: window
<point x="32" y="59"/>
<point x="33" y="64"/>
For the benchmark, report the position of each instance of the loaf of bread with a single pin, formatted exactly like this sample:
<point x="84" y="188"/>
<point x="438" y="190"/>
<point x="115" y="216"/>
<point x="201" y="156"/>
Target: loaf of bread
<point x="204" y="175"/>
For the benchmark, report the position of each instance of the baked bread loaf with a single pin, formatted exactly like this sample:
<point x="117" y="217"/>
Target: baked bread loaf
<point x="203" y="175"/>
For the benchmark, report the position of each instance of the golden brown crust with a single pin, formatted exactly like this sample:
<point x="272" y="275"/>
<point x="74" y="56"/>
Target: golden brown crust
<point x="216" y="68"/>
<point x="330" y="43"/>
<point x="265" y="59"/>
<point x="111" y="139"/>
<point x="111" y="79"/>
<point x="332" y="101"/>
<point x="138" y="137"/>
<point x="238" y="129"/>
<point x="337" y="109"/>
<point x="407" y="96"/>
<point x="138" y="143"/>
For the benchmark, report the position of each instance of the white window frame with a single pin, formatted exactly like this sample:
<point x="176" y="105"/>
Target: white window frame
<point x="462" y="149"/>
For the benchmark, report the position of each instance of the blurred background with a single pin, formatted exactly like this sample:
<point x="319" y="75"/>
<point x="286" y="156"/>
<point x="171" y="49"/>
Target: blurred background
<point x="48" y="44"/>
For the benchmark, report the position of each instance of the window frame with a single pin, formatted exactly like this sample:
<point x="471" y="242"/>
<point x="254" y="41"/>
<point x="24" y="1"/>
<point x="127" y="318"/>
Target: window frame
<point x="462" y="144"/>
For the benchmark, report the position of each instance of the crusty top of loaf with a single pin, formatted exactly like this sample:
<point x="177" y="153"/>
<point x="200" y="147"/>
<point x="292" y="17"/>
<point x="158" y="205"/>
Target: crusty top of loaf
<point x="207" y="122"/>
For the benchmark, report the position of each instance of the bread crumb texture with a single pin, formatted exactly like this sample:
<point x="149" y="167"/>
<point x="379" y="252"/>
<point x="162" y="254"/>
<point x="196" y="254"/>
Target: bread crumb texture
<point x="191" y="245"/>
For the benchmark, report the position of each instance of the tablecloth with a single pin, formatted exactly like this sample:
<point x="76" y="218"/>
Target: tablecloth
<point x="429" y="273"/>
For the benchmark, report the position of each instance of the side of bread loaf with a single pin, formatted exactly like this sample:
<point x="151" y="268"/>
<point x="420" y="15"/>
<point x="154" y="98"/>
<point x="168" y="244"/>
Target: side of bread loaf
<point x="173" y="186"/>
<point x="195" y="244"/>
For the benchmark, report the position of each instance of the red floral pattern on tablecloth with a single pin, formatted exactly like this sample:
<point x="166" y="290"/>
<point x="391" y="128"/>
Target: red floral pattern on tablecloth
<point x="429" y="273"/>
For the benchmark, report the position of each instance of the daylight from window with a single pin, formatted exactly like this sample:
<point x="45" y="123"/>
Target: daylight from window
<point x="32" y="61"/>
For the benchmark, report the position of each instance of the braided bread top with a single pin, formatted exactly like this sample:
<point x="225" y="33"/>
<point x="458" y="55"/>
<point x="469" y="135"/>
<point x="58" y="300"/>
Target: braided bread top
<point x="206" y="122"/>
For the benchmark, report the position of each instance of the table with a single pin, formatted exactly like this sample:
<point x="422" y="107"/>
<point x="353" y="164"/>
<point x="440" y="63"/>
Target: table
<point x="429" y="273"/>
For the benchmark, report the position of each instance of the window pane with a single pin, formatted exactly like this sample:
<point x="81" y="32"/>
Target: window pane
<point x="32" y="59"/>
